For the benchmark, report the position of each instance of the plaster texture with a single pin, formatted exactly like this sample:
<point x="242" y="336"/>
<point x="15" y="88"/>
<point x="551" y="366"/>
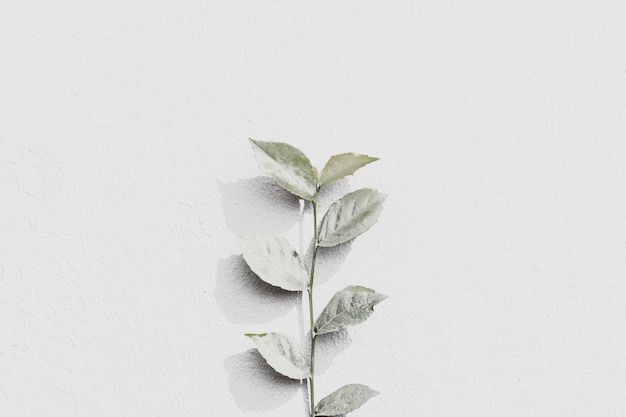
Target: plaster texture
<point x="126" y="175"/>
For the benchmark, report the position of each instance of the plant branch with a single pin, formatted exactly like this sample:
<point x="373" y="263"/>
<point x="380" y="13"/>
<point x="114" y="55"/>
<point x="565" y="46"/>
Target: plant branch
<point x="311" y="319"/>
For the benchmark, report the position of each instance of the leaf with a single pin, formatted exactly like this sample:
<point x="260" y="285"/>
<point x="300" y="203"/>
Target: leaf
<point x="283" y="353"/>
<point x="342" y="165"/>
<point x="345" y="400"/>
<point x="350" y="216"/>
<point x="275" y="261"/>
<point x="350" y="306"/>
<point x="288" y="166"/>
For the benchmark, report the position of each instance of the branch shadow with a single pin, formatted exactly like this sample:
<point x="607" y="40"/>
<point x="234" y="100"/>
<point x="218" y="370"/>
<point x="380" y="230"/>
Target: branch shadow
<point x="257" y="206"/>
<point x="244" y="298"/>
<point x="255" y="385"/>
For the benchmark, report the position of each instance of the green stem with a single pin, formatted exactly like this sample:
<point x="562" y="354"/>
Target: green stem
<point x="310" y="290"/>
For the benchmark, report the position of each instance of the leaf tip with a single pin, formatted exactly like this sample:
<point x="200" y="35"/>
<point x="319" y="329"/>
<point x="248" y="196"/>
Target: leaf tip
<point x="255" y="144"/>
<point x="381" y="197"/>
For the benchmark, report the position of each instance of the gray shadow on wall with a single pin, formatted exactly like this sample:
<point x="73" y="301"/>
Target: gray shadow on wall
<point x="260" y="206"/>
<point x="244" y="298"/>
<point x="257" y="206"/>
<point x="253" y="206"/>
<point x="331" y="193"/>
<point x="255" y="386"/>
<point x="329" y="260"/>
<point x="328" y="346"/>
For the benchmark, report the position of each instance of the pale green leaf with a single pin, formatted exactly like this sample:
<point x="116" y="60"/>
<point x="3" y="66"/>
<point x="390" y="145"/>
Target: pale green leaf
<point x="342" y="165"/>
<point x="275" y="261"/>
<point x="288" y="166"/>
<point x="350" y="216"/>
<point x="348" y="307"/>
<point x="283" y="353"/>
<point x="345" y="400"/>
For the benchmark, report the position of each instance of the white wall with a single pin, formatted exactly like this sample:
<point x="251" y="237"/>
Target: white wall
<point x="125" y="175"/>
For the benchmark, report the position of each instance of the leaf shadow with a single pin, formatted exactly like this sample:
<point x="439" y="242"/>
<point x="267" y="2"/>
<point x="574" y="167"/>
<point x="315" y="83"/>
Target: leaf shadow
<point x="255" y="385"/>
<point x="326" y="196"/>
<point x="333" y="192"/>
<point x="244" y="298"/>
<point x="258" y="206"/>
<point x="328" y="346"/>
<point x="328" y="262"/>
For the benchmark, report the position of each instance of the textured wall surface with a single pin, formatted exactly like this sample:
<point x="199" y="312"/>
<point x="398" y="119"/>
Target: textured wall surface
<point x="125" y="177"/>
